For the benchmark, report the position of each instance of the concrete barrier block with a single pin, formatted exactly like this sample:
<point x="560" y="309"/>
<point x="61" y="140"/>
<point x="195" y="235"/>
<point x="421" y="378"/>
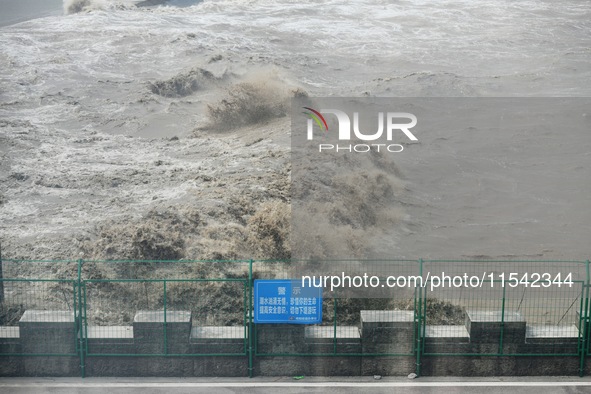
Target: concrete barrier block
<point x="10" y="341"/>
<point x="48" y="332"/>
<point x="447" y="339"/>
<point x="149" y="332"/>
<point x="551" y="339"/>
<point x="387" y="332"/>
<point x="328" y="340"/>
<point x="485" y="326"/>
<point x="281" y="338"/>
<point x="110" y="340"/>
<point x="218" y="340"/>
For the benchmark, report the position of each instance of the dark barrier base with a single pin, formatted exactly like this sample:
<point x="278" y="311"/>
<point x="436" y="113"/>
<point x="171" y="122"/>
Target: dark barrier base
<point x="168" y="366"/>
<point x="42" y="366"/>
<point x="499" y="366"/>
<point x="290" y="366"/>
<point x="307" y="366"/>
<point x="388" y="366"/>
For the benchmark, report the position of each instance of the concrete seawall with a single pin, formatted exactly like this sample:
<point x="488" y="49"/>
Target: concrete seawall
<point x="50" y="343"/>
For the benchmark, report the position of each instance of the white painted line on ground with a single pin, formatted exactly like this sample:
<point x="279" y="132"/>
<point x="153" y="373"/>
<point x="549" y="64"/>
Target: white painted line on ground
<point x="294" y="384"/>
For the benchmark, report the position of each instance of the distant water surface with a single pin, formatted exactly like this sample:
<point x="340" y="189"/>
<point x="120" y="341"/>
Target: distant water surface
<point x="15" y="11"/>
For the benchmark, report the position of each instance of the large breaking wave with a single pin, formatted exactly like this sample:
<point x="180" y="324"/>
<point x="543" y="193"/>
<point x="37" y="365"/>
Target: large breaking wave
<point x="76" y="6"/>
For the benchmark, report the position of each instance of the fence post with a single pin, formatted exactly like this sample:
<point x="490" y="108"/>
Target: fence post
<point x="250" y="317"/>
<point x="584" y="323"/>
<point x="164" y="327"/>
<point x="334" y="335"/>
<point x="502" y="323"/>
<point x="419" y="332"/>
<point x="81" y="331"/>
<point x="1" y="277"/>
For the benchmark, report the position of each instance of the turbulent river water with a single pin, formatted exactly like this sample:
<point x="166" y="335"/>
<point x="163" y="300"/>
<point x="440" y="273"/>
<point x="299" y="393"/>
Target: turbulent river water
<point x="79" y="92"/>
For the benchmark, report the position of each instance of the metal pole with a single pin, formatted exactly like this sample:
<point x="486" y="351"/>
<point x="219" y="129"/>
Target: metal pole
<point x="245" y="304"/>
<point x="165" y="331"/>
<point x="250" y="329"/>
<point x="85" y="349"/>
<point x="81" y="330"/>
<point x="334" y="336"/>
<point x="1" y="277"/>
<point x="502" y="323"/>
<point x="584" y="323"/>
<point x="418" y="315"/>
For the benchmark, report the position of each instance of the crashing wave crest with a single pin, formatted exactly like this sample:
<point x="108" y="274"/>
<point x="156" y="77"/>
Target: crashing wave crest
<point x="76" y="6"/>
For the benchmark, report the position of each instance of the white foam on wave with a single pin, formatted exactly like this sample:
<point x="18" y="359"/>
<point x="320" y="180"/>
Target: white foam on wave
<point x="76" y="6"/>
<point x="348" y="47"/>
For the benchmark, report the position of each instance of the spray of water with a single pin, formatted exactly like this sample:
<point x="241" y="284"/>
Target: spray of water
<point x="76" y="6"/>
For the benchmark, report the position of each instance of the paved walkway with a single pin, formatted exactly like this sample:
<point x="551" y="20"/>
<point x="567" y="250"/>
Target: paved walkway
<point x="355" y="385"/>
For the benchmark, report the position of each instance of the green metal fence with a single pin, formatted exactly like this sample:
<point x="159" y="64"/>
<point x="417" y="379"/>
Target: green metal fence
<point x="548" y="308"/>
<point x="112" y="304"/>
<point x="339" y="333"/>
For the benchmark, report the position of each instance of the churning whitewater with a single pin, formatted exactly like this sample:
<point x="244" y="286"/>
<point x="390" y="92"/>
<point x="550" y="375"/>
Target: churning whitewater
<point x="115" y="115"/>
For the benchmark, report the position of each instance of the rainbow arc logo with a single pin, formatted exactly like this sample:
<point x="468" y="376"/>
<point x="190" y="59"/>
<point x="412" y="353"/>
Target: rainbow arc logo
<point x="317" y="117"/>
